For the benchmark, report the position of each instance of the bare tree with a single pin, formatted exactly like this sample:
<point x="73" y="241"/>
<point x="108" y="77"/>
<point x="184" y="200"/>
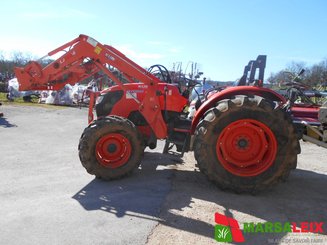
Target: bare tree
<point x="295" y="67"/>
<point x="280" y="77"/>
<point x="313" y="76"/>
<point x="20" y="58"/>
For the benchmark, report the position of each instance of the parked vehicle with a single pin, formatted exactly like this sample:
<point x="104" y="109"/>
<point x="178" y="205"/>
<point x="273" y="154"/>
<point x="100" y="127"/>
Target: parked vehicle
<point x="245" y="138"/>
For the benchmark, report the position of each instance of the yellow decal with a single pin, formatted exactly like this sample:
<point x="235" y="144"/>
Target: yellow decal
<point x="97" y="50"/>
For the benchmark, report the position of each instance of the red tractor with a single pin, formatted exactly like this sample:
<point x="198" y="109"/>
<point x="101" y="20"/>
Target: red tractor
<point x="243" y="137"/>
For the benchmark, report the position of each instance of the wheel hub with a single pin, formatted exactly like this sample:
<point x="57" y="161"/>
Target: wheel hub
<point x="243" y="143"/>
<point x="246" y="147"/>
<point x="113" y="150"/>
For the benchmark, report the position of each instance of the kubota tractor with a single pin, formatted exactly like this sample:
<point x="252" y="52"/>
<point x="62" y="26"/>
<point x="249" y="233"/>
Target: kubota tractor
<point x="243" y="137"/>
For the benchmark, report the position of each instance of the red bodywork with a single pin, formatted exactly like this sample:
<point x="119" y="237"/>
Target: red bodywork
<point x="307" y="114"/>
<point x="232" y="91"/>
<point x="137" y="92"/>
<point x="82" y="58"/>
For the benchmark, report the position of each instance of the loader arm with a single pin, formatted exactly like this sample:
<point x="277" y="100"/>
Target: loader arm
<point x="83" y="57"/>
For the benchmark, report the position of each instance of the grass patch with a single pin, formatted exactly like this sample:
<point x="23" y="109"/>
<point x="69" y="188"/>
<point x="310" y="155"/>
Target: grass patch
<point x="20" y="101"/>
<point x="3" y="98"/>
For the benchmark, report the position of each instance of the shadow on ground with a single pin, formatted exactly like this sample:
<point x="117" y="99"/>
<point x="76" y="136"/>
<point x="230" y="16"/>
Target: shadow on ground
<point x="141" y="193"/>
<point x="302" y="199"/>
<point x="5" y="123"/>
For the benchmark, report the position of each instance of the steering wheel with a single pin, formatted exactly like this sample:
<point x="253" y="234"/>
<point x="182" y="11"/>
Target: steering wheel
<point x="160" y="72"/>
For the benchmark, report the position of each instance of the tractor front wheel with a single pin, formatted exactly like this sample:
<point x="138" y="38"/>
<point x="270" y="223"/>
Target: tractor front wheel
<point x="246" y="144"/>
<point x="110" y="148"/>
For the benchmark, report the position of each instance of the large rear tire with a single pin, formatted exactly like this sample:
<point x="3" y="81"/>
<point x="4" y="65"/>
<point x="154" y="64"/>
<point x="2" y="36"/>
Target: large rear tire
<point x="111" y="148"/>
<point x="246" y="144"/>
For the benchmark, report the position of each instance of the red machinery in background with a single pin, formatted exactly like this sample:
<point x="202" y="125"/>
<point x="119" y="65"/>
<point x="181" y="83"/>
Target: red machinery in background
<point x="243" y="137"/>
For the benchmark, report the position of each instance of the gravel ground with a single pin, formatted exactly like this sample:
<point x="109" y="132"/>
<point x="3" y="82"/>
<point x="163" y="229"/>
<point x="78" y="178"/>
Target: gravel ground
<point x="188" y="211"/>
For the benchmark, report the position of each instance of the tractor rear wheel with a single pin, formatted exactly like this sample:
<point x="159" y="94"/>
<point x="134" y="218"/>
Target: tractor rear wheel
<point x="111" y="148"/>
<point x="246" y="144"/>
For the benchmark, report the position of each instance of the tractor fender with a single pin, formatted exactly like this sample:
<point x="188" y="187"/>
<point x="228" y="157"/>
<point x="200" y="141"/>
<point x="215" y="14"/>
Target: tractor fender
<point x="232" y="91"/>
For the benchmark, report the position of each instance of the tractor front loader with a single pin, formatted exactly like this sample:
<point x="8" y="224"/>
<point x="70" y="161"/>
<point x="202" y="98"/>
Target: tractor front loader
<point x="243" y="137"/>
